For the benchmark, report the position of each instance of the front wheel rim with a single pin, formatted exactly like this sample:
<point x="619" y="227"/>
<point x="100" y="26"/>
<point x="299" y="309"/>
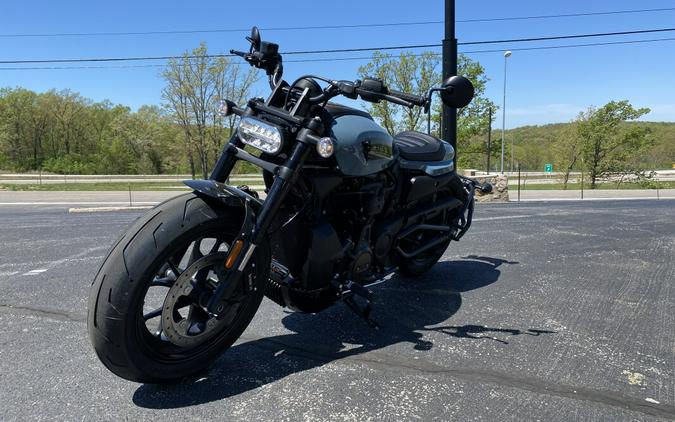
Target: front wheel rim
<point x="150" y="332"/>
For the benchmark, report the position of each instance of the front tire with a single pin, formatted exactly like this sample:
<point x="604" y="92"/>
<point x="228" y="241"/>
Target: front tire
<point x="118" y="324"/>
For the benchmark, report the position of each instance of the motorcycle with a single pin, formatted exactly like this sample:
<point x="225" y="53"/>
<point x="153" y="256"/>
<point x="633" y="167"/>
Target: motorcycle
<point x="346" y="206"/>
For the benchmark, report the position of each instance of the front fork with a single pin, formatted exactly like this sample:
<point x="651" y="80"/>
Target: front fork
<point x="254" y="229"/>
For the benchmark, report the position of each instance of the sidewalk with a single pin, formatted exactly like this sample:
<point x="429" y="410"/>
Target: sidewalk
<point x="72" y="198"/>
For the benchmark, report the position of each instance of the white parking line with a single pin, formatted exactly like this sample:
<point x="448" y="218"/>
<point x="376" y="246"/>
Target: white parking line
<point x="108" y="209"/>
<point x="78" y="203"/>
<point x="509" y="217"/>
<point x="503" y="217"/>
<point x="625" y="198"/>
<point x="34" y="272"/>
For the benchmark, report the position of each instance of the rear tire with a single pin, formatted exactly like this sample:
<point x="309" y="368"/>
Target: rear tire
<point x="415" y="267"/>
<point x="116" y="321"/>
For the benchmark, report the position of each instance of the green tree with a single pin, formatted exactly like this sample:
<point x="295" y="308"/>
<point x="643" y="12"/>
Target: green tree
<point x="195" y="86"/>
<point x="607" y="145"/>
<point x="567" y="152"/>
<point x="416" y="74"/>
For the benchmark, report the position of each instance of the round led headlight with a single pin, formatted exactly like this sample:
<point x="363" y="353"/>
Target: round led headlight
<point x="325" y="147"/>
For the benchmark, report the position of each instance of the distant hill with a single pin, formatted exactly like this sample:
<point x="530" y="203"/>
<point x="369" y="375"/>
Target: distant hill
<point x="532" y="145"/>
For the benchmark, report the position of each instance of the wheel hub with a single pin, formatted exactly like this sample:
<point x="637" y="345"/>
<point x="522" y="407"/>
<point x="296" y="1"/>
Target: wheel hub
<point x="185" y="321"/>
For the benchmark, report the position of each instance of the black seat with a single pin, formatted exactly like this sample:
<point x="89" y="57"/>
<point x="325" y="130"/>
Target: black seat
<point x="417" y="146"/>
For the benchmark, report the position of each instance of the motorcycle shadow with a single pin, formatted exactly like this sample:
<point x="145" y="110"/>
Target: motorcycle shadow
<point x="404" y="309"/>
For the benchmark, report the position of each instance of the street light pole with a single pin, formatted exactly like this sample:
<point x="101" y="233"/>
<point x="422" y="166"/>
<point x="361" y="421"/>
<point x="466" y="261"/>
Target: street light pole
<point x="507" y="54"/>
<point x="449" y="120"/>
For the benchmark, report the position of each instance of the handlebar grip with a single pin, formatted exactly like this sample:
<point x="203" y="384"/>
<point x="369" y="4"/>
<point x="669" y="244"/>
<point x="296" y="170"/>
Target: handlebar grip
<point x="411" y="98"/>
<point x="375" y="97"/>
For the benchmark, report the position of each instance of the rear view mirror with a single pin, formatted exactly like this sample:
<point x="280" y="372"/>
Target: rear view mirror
<point x="457" y="92"/>
<point x="254" y="39"/>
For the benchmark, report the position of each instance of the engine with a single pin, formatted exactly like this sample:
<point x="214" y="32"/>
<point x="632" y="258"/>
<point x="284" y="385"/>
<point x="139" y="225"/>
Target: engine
<point x="335" y="234"/>
<point x="334" y="228"/>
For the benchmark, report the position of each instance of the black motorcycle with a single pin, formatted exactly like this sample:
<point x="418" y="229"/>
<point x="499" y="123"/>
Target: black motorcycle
<point x="346" y="206"/>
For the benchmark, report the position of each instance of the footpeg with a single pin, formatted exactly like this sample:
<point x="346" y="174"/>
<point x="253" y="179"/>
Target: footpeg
<point x="279" y="273"/>
<point x="359" y="290"/>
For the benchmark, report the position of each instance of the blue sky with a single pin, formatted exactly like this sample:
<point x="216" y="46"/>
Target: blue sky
<point x="543" y="86"/>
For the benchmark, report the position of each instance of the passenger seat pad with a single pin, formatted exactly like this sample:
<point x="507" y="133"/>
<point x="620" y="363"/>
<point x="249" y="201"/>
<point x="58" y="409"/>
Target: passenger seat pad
<point x="418" y="146"/>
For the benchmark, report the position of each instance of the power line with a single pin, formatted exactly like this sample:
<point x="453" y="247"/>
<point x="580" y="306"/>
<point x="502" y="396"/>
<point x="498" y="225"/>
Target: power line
<point x="333" y="59"/>
<point x="513" y="40"/>
<point x="87" y="67"/>
<point x="320" y="27"/>
<point x="567" y="37"/>
<point x="113" y="59"/>
<point x="568" y="15"/>
<point x="343" y="50"/>
<point x="553" y="47"/>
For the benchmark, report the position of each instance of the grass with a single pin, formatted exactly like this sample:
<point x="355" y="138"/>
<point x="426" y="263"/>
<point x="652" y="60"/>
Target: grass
<point x="587" y="186"/>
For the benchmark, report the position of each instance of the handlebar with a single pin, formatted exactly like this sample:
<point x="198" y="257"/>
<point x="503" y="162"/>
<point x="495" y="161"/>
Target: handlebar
<point x="368" y="90"/>
<point x="265" y="55"/>
<point x="239" y="53"/>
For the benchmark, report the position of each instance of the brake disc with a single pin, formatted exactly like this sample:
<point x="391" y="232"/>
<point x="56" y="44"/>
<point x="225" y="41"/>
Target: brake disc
<point x="185" y="321"/>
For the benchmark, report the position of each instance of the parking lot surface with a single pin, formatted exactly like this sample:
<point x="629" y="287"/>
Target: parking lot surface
<point x="542" y="312"/>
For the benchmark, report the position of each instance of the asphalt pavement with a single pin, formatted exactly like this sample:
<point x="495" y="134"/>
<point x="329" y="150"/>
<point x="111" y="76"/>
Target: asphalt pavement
<point x="539" y="313"/>
<point x="58" y="199"/>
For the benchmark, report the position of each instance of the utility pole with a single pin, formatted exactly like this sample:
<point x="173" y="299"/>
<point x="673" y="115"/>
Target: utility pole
<point x="449" y="120"/>
<point x="489" y="145"/>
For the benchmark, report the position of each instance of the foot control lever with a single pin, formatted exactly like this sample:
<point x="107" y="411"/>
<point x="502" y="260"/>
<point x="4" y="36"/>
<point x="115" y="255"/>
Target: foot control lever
<point x="361" y="310"/>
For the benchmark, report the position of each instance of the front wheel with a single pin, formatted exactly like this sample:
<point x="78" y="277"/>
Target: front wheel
<point x="147" y="319"/>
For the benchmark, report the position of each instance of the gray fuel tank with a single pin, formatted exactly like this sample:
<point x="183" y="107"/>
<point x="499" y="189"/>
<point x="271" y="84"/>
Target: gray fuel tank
<point x="362" y="146"/>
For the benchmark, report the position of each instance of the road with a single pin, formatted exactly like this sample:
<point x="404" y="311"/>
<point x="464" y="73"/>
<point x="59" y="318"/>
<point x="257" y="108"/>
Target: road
<point x="539" y="313"/>
<point x="61" y="199"/>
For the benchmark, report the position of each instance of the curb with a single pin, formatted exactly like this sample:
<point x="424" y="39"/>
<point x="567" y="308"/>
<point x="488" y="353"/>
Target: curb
<point x="626" y="198"/>
<point x="108" y="209"/>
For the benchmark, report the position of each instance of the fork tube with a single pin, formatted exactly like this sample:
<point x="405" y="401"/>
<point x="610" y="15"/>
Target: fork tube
<point x="221" y="171"/>
<point x="283" y="181"/>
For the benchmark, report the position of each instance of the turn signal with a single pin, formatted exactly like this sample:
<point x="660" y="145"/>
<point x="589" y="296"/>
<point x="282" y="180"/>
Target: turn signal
<point x="234" y="253"/>
<point x="325" y="147"/>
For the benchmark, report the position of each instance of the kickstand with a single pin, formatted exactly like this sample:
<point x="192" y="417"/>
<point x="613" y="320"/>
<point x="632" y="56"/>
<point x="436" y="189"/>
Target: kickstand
<point x="361" y="310"/>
